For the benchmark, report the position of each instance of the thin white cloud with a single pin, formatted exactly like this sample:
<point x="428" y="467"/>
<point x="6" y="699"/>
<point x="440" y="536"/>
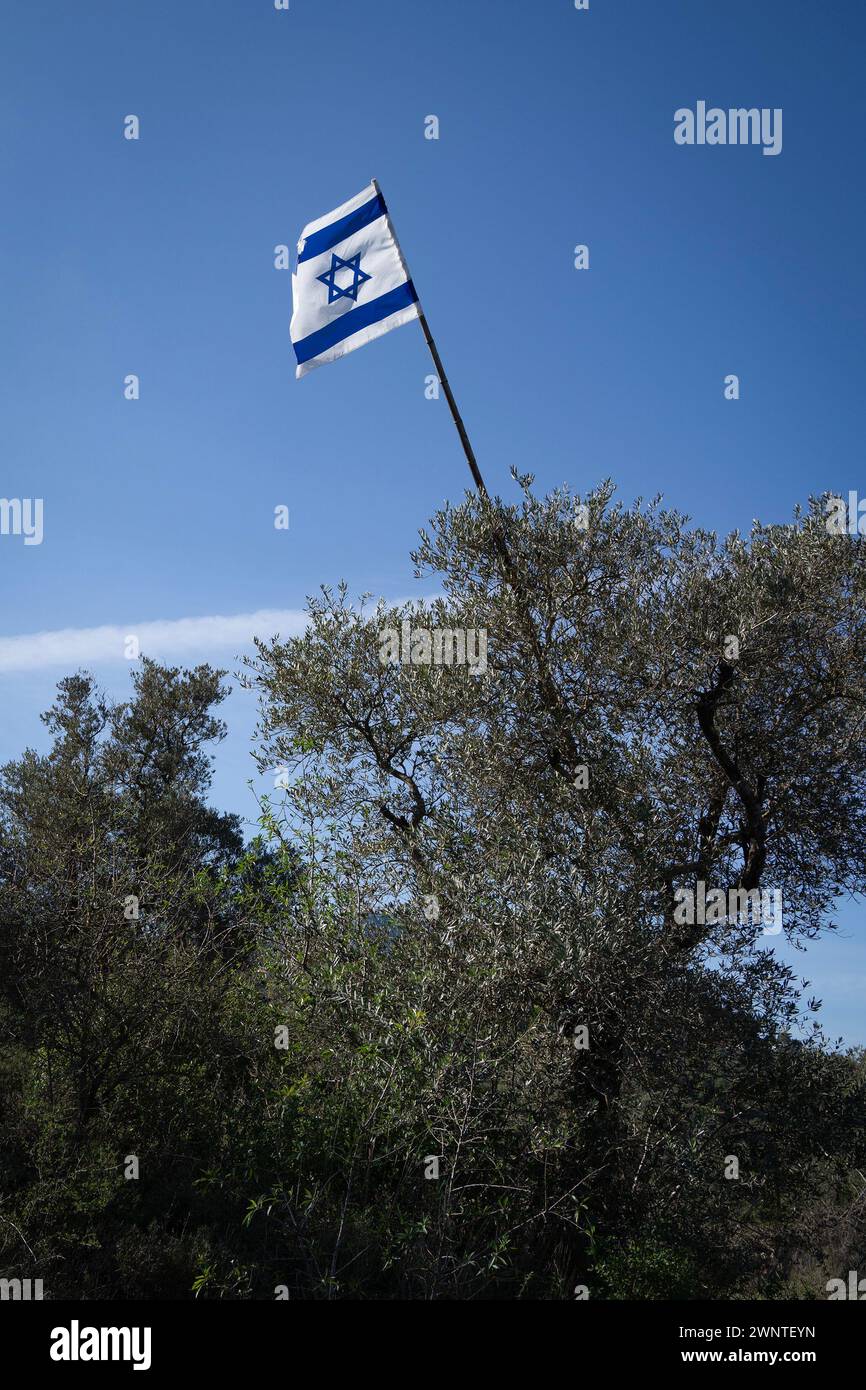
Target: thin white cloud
<point x="179" y="637"/>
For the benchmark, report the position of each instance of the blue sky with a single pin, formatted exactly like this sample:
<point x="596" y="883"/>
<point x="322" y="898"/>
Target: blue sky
<point x="155" y="257"/>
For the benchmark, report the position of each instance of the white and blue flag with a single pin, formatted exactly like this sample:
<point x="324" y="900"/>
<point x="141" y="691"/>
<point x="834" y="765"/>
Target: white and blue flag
<point x="351" y="284"/>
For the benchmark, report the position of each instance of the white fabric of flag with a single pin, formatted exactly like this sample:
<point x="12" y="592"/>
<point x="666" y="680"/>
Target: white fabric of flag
<point x="351" y="284"/>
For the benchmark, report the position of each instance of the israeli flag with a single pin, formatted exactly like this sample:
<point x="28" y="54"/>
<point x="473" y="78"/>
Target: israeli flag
<point x="351" y="284"/>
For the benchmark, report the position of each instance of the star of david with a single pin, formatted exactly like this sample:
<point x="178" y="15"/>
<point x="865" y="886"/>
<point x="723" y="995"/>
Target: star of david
<point x="336" y="291"/>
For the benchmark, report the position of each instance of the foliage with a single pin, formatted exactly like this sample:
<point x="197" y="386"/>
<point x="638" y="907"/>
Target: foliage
<point x="288" y="1034"/>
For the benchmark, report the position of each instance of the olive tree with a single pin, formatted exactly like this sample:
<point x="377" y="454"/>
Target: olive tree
<point x="542" y="889"/>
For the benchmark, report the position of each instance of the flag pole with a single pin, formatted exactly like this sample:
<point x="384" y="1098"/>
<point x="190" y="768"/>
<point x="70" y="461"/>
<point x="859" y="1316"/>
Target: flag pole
<point x="548" y="687"/>
<point x="440" y="370"/>
<point x="449" y="396"/>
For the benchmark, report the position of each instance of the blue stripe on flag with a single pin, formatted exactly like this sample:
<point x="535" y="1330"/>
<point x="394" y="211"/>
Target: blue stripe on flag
<point x="327" y="237"/>
<point x="361" y="317"/>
